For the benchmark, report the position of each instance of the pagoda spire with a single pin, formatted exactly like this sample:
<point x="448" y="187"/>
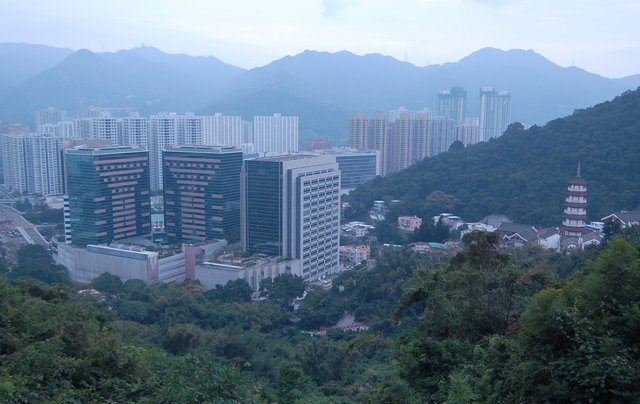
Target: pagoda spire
<point x="578" y="171"/>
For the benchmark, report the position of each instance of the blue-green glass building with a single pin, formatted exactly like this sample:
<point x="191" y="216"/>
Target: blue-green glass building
<point x="107" y="194"/>
<point x="201" y="193"/>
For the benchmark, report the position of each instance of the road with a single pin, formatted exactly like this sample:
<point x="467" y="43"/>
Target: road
<point x="11" y="219"/>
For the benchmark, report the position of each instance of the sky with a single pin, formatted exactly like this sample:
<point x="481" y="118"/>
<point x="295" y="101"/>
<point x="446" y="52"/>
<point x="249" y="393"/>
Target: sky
<point x="600" y="36"/>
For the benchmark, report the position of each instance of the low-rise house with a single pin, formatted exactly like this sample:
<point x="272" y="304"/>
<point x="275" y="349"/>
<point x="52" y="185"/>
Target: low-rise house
<point x="354" y="254"/>
<point x="516" y="234"/>
<point x="453" y="221"/>
<point x="549" y="238"/>
<point x="409" y="223"/>
<point x="624" y="218"/>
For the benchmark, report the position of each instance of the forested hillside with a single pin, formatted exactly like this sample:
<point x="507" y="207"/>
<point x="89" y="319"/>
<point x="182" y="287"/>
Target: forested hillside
<point x="485" y="327"/>
<point x="524" y="173"/>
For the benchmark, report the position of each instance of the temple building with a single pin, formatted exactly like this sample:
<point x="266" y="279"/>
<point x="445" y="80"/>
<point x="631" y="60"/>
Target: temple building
<point x="574" y="232"/>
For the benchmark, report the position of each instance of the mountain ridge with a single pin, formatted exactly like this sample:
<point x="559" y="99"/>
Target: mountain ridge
<point x="340" y="81"/>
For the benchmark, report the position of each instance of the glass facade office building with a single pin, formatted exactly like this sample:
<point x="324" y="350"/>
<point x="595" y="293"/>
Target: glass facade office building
<point x="107" y="194"/>
<point x="356" y="168"/>
<point x="291" y="208"/>
<point x="202" y="193"/>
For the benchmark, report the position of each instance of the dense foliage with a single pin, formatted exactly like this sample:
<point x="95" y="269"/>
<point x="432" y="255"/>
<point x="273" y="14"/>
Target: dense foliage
<point x="524" y="173"/>
<point x="485" y="326"/>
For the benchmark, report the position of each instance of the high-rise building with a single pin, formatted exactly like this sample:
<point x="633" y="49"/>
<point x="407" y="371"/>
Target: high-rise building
<point x="442" y="134"/>
<point x="358" y="132"/>
<point x="451" y="104"/>
<point x="189" y="129"/>
<point x="107" y="194"/>
<point x="275" y="134"/>
<point x="495" y="113"/>
<point x="291" y="208"/>
<point x="467" y="131"/>
<point x="44" y="160"/>
<point x="82" y="128"/>
<point x="222" y="130"/>
<point x="105" y="127"/>
<point x="356" y="168"/>
<point x="14" y="166"/>
<point x="401" y="143"/>
<point x="134" y="131"/>
<point x="49" y="116"/>
<point x="163" y="133"/>
<point x="202" y="193"/>
<point x="32" y="164"/>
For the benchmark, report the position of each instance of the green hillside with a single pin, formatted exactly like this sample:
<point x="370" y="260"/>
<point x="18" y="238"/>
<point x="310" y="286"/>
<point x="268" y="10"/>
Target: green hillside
<point x="524" y="173"/>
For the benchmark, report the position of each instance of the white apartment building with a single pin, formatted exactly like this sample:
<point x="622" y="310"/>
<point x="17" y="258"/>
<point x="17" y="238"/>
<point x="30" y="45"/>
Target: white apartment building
<point x="105" y="127"/>
<point x="222" y="130"/>
<point x="275" y="134"/>
<point x="32" y="163"/>
<point x="134" y="131"/>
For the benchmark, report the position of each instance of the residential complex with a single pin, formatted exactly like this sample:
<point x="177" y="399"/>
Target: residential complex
<point x="32" y="164"/>
<point x="410" y="136"/>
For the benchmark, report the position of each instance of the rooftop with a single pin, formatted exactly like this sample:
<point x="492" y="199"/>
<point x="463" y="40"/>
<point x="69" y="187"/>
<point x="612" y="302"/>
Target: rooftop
<point x="287" y="157"/>
<point x="104" y="150"/>
<point x="204" y="149"/>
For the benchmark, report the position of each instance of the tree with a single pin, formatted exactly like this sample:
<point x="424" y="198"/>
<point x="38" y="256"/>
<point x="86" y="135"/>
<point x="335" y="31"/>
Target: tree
<point x="580" y="342"/>
<point x="292" y="384"/>
<point x="282" y="289"/>
<point x="234" y="291"/>
<point x="107" y="283"/>
<point x="34" y="261"/>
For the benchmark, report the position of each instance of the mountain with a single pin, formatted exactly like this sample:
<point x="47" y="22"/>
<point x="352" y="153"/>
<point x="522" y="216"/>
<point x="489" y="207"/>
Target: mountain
<point x="21" y="61"/>
<point x="342" y="81"/>
<point x="524" y="173"/>
<point x="143" y="78"/>
<point x="323" y="88"/>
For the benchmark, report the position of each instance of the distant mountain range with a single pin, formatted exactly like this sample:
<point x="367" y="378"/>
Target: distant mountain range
<point x="324" y="89"/>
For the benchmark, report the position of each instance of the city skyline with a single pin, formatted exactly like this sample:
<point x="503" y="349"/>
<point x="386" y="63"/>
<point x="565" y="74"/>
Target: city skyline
<point x="596" y="37"/>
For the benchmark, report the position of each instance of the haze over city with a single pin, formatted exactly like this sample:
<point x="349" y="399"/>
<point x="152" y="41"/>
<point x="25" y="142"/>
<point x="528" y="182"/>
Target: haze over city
<point x="600" y="37"/>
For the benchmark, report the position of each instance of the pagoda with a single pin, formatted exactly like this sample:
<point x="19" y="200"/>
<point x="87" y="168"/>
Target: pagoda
<point x="574" y="225"/>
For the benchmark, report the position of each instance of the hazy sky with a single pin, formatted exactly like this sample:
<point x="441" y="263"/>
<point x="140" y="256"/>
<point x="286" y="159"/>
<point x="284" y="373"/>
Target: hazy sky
<point x="601" y="36"/>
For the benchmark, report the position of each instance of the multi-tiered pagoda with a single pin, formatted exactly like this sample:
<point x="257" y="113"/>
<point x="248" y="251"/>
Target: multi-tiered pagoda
<point x="574" y="225"/>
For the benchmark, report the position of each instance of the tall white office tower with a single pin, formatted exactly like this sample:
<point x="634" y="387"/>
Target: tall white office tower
<point x="290" y="207"/>
<point x="222" y="130"/>
<point x="495" y="112"/>
<point x="134" y="131"/>
<point x="451" y="104"/>
<point x="276" y="134"/>
<point x="163" y="133"/>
